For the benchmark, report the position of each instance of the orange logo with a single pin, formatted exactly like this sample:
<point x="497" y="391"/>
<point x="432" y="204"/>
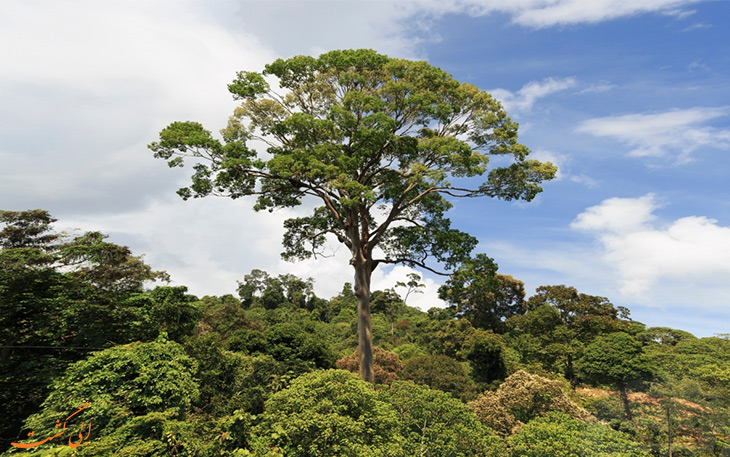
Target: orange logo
<point x="58" y="424"/>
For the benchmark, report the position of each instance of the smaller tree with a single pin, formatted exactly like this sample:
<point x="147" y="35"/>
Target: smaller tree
<point x="482" y="295"/>
<point x="521" y="398"/>
<point x="389" y="303"/>
<point x="561" y="322"/>
<point x="486" y="356"/>
<point x="664" y="335"/>
<point x="329" y="414"/>
<point x="454" y="339"/>
<point x="615" y="359"/>
<point x="413" y="285"/>
<point x="258" y="287"/>
<point x="434" y="424"/>
<point x="440" y="372"/>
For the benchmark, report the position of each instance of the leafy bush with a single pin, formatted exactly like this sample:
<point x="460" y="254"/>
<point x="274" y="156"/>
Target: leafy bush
<point x="439" y="372"/>
<point x="559" y="435"/>
<point x="434" y="424"/>
<point x="123" y="384"/>
<point x="327" y="413"/>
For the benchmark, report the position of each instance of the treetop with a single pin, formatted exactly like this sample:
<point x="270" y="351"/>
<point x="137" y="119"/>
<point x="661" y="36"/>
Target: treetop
<point x="379" y="142"/>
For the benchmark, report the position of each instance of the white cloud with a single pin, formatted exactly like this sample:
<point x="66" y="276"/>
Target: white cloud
<point x="697" y="65"/>
<point x="619" y="215"/>
<point x="600" y="87"/>
<point x="524" y="99"/>
<point x="679" y="14"/>
<point x="675" y="133"/>
<point x="585" y="180"/>
<point x="549" y="13"/>
<point x="668" y="272"/>
<point x="690" y="254"/>
<point x="697" y="26"/>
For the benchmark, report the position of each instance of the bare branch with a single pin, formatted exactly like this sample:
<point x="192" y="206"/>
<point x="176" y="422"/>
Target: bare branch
<point x="413" y="262"/>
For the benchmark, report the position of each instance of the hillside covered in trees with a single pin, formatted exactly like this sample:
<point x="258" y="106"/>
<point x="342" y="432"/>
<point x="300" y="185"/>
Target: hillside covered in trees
<point x="122" y="365"/>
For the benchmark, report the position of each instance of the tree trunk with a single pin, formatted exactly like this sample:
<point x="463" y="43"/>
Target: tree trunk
<point x="625" y="400"/>
<point x="669" y="428"/>
<point x="363" y="272"/>
<point x="570" y="372"/>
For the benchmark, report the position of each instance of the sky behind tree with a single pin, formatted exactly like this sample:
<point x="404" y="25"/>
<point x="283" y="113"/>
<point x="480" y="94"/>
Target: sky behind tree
<point x="630" y="99"/>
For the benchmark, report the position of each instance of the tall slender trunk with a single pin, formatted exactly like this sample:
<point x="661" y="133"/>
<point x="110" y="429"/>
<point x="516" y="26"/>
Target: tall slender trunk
<point x="363" y="272"/>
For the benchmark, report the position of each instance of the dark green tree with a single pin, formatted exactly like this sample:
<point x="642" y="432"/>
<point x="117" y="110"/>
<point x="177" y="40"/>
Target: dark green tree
<point x="615" y="359"/>
<point x="560" y="323"/>
<point x="379" y="143"/>
<point x="440" y="372"/>
<point x="62" y="296"/>
<point x="486" y="356"/>
<point x="484" y="296"/>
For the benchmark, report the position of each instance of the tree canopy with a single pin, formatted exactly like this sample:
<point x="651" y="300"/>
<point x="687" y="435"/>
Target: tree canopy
<point x="482" y="295"/>
<point x="219" y="376"/>
<point x="379" y="143"/>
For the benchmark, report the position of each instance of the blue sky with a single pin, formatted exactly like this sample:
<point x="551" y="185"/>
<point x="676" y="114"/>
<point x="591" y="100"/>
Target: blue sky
<point x="630" y="99"/>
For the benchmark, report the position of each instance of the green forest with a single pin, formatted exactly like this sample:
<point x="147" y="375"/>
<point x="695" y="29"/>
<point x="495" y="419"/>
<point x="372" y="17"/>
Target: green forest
<point x="100" y="356"/>
<point x="272" y="370"/>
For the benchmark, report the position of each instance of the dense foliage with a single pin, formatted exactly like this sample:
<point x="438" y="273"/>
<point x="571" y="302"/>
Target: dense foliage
<point x="164" y="373"/>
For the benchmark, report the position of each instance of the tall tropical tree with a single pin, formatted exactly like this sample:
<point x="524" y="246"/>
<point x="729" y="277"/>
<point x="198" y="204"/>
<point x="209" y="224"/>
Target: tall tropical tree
<point x="381" y="144"/>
